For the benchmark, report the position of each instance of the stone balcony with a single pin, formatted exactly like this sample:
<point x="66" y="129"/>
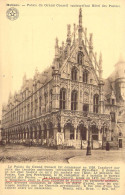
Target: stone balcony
<point x="84" y="114"/>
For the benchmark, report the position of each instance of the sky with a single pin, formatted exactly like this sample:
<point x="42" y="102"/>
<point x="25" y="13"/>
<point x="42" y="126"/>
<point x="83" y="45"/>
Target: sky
<point x="29" y="41"/>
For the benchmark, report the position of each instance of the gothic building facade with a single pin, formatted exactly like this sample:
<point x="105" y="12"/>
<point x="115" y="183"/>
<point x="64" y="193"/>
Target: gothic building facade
<point x="69" y="102"/>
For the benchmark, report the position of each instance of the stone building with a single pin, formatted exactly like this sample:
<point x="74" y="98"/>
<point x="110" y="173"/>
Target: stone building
<point x="0" y="132"/>
<point x="115" y="102"/>
<point x="69" y="103"/>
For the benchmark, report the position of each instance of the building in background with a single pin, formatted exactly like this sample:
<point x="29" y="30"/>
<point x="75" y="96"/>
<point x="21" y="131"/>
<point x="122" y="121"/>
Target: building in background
<point x="69" y="103"/>
<point x="0" y="133"/>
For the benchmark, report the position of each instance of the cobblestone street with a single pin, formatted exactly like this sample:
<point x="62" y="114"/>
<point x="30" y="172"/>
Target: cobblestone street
<point x="19" y="153"/>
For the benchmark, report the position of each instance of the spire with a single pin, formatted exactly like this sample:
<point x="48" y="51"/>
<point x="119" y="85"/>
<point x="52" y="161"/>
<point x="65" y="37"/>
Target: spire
<point x="56" y="48"/>
<point x="80" y="17"/>
<point x="100" y="66"/>
<point x="91" y="41"/>
<point x="80" y="29"/>
<point x="95" y="61"/>
<point x="100" y="60"/>
<point x="68" y="34"/>
<point x="86" y="36"/>
<point x="74" y="33"/>
<point x="91" y="46"/>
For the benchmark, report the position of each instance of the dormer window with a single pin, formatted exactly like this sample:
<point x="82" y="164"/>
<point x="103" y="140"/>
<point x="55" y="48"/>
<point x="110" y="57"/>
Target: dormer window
<point x="74" y="74"/>
<point x="80" y="58"/>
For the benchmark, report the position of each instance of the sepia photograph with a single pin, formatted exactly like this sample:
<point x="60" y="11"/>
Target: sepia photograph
<point x="68" y="110"/>
<point x="62" y="95"/>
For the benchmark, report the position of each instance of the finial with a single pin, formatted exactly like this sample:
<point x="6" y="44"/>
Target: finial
<point x="56" y="42"/>
<point x="95" y="55"/>
<point x="80" y="17"/>
<point x="95" y="61"/>
<point x="100" y="59"/>
<point x="91" y="40"/>
<point x="100" y="66"/>
<point x="68" y="34"/>
<point x="80" y="29"/>
<point x="85" y="36"/>
<point x="74" y="32"/>
<point x="56" y="48"/>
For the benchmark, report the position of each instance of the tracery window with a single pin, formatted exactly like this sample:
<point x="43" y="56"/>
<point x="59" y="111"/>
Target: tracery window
<point x="62" y="98"/>
<point x="95" y="103"/>
<point x="74" y="74"/>
<point x="85" y="76"/>
<point x="74" y="101"/>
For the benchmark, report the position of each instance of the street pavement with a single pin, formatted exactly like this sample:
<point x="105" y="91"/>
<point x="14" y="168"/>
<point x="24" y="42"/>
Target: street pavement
<point x="100" y="156"/>
<point x="19" y="153"/>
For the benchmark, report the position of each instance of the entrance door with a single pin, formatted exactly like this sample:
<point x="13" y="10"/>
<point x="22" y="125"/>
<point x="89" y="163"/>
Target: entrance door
<point x="120" y="143"/>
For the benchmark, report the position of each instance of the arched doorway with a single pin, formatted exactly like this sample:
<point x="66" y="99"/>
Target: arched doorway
<point x="81" y="133"/>
<point x="45" y="131"/>
<point x="50" y="130"/>
<point x="94" y="132"/>
<point x="68" y="131"/>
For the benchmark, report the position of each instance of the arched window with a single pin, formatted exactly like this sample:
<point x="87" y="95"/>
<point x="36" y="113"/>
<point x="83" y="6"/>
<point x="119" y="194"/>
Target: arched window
<point x="74" y="74"/>
<point x="62" y="98"/>
<point x="45" y="96"/>
<point x="74" y="100"/>
<point x="85" y="76"/>
<point x="40" y="104"/>
<point x="95" y="103"/>
<point x="51" y="94"/>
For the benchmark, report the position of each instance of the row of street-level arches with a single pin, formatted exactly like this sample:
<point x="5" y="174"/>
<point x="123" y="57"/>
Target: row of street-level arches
<point x="30" y="132"/>
<point x="47" y="131"/>
<point x="82" y="133"/>
<point x="74" y="75"/>
<point x="74" y="101"/>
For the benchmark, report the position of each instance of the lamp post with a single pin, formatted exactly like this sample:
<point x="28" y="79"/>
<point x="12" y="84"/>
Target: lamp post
<point x="88" y="152"/>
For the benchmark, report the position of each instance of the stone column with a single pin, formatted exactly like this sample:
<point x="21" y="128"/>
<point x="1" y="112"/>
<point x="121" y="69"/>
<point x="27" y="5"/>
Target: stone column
<point x="87" y="133"/>
<point x="74" y="133"/>
<point x="99" y="134"/>
<point x="62" y="130"/>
